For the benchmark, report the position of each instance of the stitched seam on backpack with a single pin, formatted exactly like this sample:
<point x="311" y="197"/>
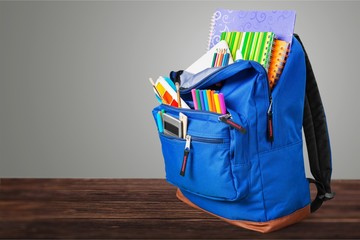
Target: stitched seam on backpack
<point x="261" y="175"/>
<point x="279" y="148"/>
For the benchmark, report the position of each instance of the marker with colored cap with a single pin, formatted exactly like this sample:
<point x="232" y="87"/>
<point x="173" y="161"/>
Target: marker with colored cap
<point x="206" y="103"/>
<point x="198" y="99"/>
<point x="222" y="103"/>
<point x="217" y="102"/>
<point x="193" y="94"/>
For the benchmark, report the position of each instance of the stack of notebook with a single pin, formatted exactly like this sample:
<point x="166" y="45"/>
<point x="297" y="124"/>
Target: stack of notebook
<point x="262" y="36"/>
<point x="261" y="47"/>
<point x="281" y="23"/>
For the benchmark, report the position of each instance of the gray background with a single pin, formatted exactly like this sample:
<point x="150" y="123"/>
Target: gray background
<point x="75" y="100"/>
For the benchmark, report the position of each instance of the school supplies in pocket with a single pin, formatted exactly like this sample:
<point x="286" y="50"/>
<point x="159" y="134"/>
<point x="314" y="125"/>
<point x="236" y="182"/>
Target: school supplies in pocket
<point x="244" y="164"/>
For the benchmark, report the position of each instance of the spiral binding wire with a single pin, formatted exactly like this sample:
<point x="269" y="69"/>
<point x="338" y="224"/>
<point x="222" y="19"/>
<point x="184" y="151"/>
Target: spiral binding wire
<point x="279" y="55"/>
<point x="264" y="61"/>
<point x="211" y="31"/>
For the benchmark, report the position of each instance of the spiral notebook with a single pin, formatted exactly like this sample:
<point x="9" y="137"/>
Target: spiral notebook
<point x="254" y="46"/>
<point x="281" y="23"/>
<point x="261" y="47"/>
<point x="279" y="54"/>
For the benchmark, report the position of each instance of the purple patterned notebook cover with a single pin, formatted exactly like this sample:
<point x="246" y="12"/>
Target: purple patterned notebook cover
<point x="281" y="23"/>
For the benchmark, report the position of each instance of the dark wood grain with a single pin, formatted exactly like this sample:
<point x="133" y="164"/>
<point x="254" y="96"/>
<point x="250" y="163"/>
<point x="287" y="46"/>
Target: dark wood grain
<point x="147" y="209"/>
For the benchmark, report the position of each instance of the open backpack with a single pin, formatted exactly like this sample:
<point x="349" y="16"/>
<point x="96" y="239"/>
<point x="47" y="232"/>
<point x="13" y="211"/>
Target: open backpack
<point x="246" y="166"/>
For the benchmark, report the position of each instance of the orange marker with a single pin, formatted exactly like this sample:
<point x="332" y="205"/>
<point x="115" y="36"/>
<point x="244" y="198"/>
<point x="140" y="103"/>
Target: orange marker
<point x="208" y="95"/>
<point x="213" y="107"/>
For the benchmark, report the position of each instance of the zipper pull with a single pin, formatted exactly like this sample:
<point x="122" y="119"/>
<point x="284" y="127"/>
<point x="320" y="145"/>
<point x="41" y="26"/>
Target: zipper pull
<point x="186" y="155"/>
<point x="270" y="130"/>
<point x="226" y="118"/>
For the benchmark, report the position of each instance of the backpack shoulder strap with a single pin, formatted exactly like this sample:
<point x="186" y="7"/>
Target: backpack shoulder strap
<point x="317" y="138"/>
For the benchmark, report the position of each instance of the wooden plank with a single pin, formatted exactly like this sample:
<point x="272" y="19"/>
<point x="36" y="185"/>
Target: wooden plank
<point x="146" y="208"/>
<point x="168" y="229"/>
<point x="101" y="209"/>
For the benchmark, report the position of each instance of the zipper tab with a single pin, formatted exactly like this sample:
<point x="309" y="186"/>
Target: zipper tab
<point x="226" y="118"/>
<point x="270" y="130"/>
<point x="186" y="155"/>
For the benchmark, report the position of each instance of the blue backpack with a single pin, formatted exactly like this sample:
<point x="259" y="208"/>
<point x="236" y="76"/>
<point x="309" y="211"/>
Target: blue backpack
<point x="246" y="167"/>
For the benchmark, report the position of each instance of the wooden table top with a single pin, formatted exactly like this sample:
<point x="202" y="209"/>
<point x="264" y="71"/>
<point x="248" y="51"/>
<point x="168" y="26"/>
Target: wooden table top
<point x="147" y="209"/>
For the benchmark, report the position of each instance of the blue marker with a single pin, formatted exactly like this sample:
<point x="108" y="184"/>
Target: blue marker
<point x="206" y="104"/>
<point x="202" y="100"/>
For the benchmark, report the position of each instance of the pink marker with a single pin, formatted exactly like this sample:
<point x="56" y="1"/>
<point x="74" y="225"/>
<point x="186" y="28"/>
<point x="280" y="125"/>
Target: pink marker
<point x="193" y="94"/>
<point x="222" y="103"/>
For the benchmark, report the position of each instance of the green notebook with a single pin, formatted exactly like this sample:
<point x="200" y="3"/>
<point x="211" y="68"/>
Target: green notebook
<point x="254" y="46"/>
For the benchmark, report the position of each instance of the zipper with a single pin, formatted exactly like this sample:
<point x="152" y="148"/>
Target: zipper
<point x="269" y="114"/>
<point x="210" y="77"/>
<point x="208" y="140"/>
<point x="188" y="140"/>
<point x="227" y="119"/>
<point x="204" y="81"/>
<point x="270" y="129"/>
<point x="186" y="155"/>
<point x="198" y="139"/>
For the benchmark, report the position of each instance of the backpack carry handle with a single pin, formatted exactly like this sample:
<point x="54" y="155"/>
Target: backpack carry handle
<point x="317" y="138"/>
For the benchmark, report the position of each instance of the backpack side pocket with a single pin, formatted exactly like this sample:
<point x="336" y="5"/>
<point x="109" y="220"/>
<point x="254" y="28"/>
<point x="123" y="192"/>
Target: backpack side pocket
<point x="208" y="157"/>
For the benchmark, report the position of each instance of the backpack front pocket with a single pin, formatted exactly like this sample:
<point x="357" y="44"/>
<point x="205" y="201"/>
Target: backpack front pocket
<point x="204" y="163"/>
